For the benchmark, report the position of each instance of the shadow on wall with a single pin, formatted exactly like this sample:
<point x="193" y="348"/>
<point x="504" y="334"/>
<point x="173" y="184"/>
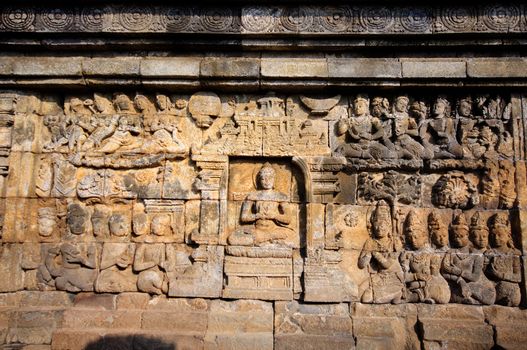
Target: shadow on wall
<point x="130" y="342"/>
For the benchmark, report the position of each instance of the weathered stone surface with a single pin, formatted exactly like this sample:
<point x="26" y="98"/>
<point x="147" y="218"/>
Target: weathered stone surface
<point x="385" y="326"/>
<point x="492" y="67"/>
<point x="155" y="195"/>
<point x="312" y="326"/>
<point x="294" y="67"/>
<point x="171" y="67"/>
<point x="230" y="67"/>
<point x="434" y="69"/>
<point x="238" y="324"/>
<point x="364" y="68"/>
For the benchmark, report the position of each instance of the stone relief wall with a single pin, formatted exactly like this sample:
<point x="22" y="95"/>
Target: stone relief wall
<point x="386" y="198"/>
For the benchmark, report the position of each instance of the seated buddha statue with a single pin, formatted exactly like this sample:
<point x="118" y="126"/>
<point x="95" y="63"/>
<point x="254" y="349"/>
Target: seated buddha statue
<point x="265" y="213"/>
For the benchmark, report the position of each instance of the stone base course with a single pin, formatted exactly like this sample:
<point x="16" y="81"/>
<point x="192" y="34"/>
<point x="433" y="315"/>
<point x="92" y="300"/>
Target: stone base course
<point x="58" y="320"/>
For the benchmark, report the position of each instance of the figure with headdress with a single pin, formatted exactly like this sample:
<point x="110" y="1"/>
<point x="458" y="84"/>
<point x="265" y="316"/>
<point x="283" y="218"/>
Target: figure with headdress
<point x="405" y="131"/>
<point x="440" y="131"/>
<point x="463" y="266"/>
<point x="504" y="265"/>
<point x="363" y="132"/>
<point x="380" y="256"/>
<point x="422" y="266"/>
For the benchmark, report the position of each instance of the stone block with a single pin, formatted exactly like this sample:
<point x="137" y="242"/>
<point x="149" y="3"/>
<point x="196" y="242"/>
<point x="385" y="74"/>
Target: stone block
<point x="166" y="341"/>
<point x="116" y="66"/>
<point x="230" y="67"/>
<point x="95" y="301"/>
<point x="30" y="335"/>
<point x="468" y="332"/>
<point x="497" y="68"/>
<point x="47" y="66"/>
<point x="510" y="326"/>
<point x="187" y="323"/>
<point x="312" y="319"/>
<point x="178" y="304"/>
<point x="272" y="67"/>
<point x="78" y="318"/>
<point x="434" y="69"/>
<point x="385" y="326"/>
<point x="451" y="311"/>
<point x="313" y="342"/>
<point x="36" y="347"/>
<point x="170" y="67"/>
<point x="202" y="278"/>
<point x="364" y="68"/>
<point x="35" y="319"/>
<point x="132" y="300"/>
<point x="74" y="339"/>
<point x="10" y="262"/>
<point x="45" y="299"/>
<point x="240" y="316"/>
<point x="7" y="65"/>
<point x="263" y="341"/>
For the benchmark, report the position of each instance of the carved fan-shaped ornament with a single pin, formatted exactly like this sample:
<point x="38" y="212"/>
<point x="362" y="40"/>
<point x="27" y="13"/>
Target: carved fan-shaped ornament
<point x="454" y="191"/>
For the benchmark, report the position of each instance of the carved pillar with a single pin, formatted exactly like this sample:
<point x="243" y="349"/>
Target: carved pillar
<point x="212" y="183"/>
<point x="320" y="177"/>
<point x="7" y="112"/>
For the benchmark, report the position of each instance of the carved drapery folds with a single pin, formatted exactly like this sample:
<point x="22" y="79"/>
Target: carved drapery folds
<point x="377" y="199"/>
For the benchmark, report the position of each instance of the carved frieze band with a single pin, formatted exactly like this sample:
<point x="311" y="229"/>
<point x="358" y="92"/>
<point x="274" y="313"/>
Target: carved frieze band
<point x="267" y="19"/>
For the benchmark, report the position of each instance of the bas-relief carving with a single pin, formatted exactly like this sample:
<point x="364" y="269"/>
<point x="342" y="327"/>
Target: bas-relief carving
<point x="379" y="200"/>
<point x="359" y="19"/>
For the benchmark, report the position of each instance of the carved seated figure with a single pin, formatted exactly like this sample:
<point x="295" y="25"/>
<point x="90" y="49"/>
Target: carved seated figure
<point x="363" y="132"/>
<point x="440" y="131"/>
<point x="405" y="132"/>
<point x="421" y="266"/>
<point x="463" y="269"/>
<point x="504" y="265"/>
<point x="267" y="210"/>
<point x="380" y="255"/>
<point x="72" y="268"/>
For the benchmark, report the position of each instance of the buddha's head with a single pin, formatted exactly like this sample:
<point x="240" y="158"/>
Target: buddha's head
<point x="266" y="177"/>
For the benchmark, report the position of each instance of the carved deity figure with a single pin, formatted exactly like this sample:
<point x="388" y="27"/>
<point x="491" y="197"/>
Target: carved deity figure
<point x="47" y="221"/>
<point x="72" y="268"/>
<point x="438" y="232"/>
<point x="56" y="126"/>
<point x="467" y="130"/>
<point x="364" y="133"/>
<point x="116" y="274"/>
<point x="422" y="266"/>
<point x="268" y="212"/>
<point x="380" y="256"/>
<point x="122" y="137"/>
<point x="77" y="219"/>
<point x="79" y="121"/>
<point x="463" y="269"/>
<point x="405" y="131"/>
<point x="150" y="261"/>
<point x="440" y="131"/>
<point x="504" y="267"/>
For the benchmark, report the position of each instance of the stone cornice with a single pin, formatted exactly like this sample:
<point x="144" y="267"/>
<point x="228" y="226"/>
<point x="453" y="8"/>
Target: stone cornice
<point x="357" y="20"/>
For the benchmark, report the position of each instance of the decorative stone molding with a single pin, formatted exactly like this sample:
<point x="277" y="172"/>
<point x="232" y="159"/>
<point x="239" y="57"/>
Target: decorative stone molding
<point x="275" y="20"/>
